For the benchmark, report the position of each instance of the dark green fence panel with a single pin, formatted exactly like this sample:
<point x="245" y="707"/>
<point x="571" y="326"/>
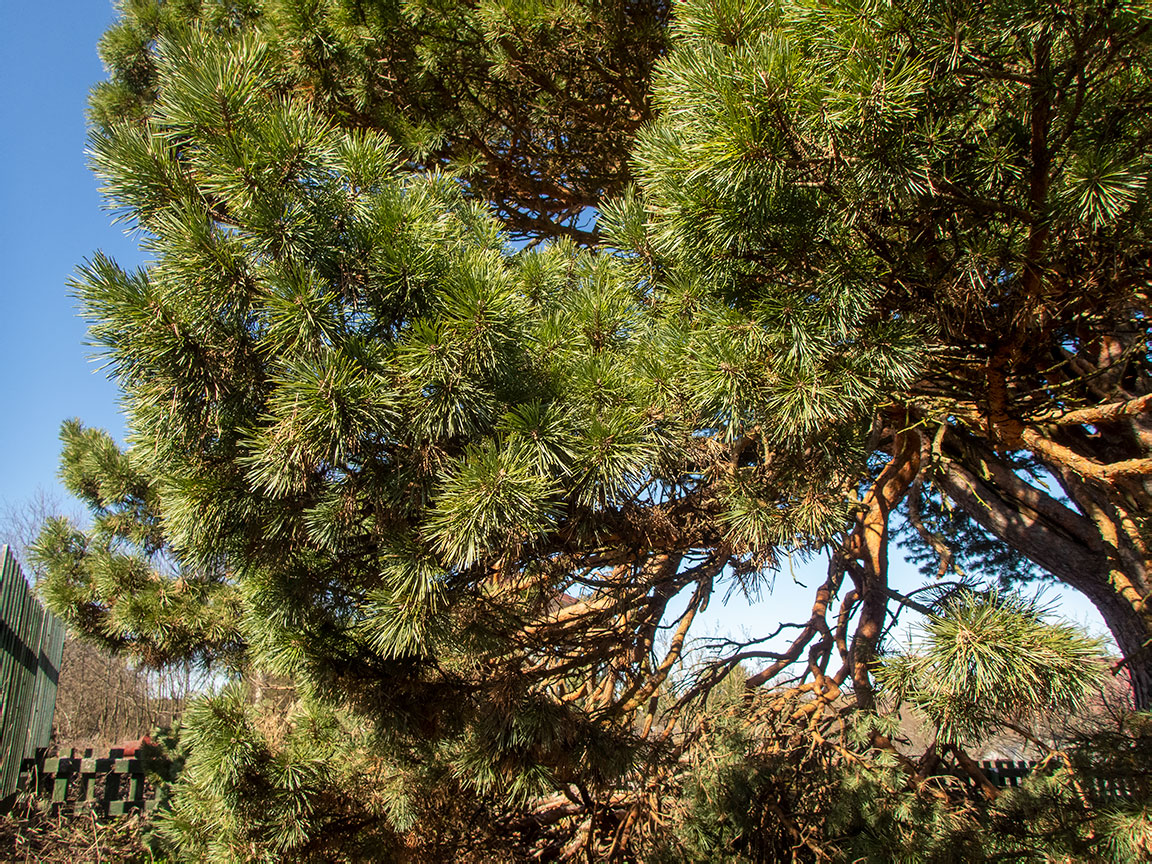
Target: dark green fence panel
<point x="1008" y="774"/>
<point x="31" y="645"/>
<point x="114" y="784"/>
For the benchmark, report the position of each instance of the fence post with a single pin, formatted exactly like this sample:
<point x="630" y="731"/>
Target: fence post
<point x="31" y="646"/>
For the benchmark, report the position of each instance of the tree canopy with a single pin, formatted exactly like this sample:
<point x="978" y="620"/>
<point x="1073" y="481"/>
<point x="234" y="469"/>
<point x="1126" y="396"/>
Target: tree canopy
<point x="981" y="173"/>
<point x="483" y="345"/>
<point x="533" y="105"/>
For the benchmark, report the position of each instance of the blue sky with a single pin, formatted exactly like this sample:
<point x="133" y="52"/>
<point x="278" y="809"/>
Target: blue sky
<point x="53" y="219"/>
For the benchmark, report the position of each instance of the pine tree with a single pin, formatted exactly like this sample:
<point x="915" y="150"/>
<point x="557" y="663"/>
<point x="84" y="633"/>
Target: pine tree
<point x="533" y="104"/>
<point x="979" y="172"/>
<point x="466" y="494"/>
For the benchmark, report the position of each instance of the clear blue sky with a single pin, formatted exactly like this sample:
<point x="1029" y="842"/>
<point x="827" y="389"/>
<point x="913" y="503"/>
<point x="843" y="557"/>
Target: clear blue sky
<point x="52" y="219"/>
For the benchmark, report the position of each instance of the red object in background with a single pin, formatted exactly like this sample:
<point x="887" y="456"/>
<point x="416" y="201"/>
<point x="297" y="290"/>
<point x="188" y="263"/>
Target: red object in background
<point x="129" y="748"/>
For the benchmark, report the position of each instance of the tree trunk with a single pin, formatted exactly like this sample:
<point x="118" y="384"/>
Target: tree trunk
<point x="1070" y="546"/>
<point x="868" y="544"/>
<point x="1132" y="633"/>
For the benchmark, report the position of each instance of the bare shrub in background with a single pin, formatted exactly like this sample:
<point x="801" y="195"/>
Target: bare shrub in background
<point x="103" y="700"/>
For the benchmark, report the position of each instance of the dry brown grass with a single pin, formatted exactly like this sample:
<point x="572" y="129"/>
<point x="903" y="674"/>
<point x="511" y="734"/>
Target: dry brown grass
<point x="28" y="834"/>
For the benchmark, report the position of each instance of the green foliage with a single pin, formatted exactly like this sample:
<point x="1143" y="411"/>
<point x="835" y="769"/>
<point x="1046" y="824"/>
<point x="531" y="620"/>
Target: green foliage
<point x="533" y="104"/>
<point x="490" y="503"/>
<point x="450" y="486"/>
<point x="985" y="657"/>
<point x="810" y="157"/>
<point x="275" y="788"/>
<point x="117" y="582"/>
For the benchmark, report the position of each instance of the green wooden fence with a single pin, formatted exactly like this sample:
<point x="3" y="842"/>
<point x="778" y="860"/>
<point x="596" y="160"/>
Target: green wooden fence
<point x="1008" y="774"/>
<point x="111" y="784"/>
<point x="31" y="645"/>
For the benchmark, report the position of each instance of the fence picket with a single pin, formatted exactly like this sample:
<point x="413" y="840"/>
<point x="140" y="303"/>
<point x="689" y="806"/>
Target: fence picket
<point x="31" y="645"/>
<point x="110" y="785"/>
